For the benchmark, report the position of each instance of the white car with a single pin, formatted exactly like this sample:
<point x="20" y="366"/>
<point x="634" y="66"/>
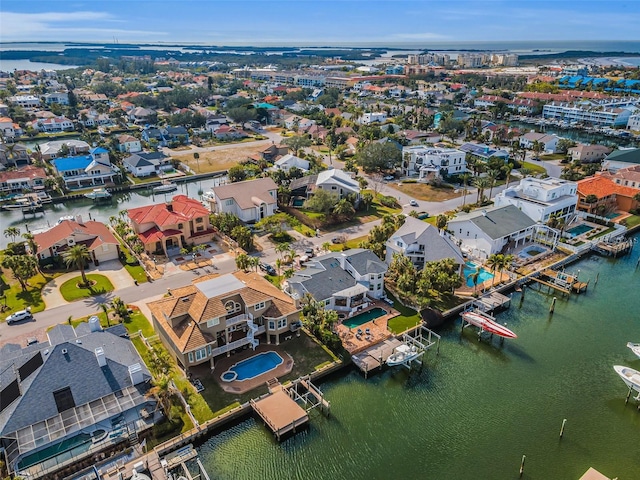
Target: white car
<point x="19" y="316"/>
<point x="413" y="203"/>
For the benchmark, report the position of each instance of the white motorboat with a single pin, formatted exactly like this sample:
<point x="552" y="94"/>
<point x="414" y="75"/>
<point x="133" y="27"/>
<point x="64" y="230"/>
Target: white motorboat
<point x="98" y="193"/>
<point x="24" y="203"/>
<point x="635" y="348"/>
<point x="629" y="376"/>
<point x="403" y="354"/>
<point x="484" y="322"/>
<point x="208" y="197"/>
<point x="165" y="187"/>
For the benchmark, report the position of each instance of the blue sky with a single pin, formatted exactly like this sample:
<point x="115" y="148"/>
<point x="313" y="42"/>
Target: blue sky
<point x="319" y="22"/>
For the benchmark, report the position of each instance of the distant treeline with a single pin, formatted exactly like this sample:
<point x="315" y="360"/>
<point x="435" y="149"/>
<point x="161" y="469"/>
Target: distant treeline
<point x="576" y="54"/>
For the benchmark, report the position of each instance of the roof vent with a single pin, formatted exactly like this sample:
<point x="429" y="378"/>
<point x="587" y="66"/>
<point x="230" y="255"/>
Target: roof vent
<point x="78" y="341"/>
<point x="102" y="360"/>
<point x="64" y="351"/>
<point x="484" y="213"/>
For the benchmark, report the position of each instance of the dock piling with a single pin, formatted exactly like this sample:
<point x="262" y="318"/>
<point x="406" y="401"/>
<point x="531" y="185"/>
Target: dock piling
<point x="553" y="305"/>
<point x="564" y="422"/>
<point x="597" y="276"/>
<point x="524" y="457"/>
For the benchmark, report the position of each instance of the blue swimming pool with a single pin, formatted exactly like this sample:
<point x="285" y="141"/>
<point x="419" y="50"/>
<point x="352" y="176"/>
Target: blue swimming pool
<point x="579" y="229"/>
<point x="364" y="317"/>
<point x="613" y="215"/>
<point x="252" y="367"/>
<point x="470" y="268"/>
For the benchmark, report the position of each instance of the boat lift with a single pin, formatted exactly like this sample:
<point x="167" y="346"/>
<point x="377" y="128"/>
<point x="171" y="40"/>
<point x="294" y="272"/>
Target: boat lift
<point x="423" y="340"/>
<point x="481" y="330"/>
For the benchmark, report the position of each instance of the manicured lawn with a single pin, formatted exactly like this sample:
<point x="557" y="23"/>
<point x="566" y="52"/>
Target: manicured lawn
<point x="423" y="191"/>
<point x="552" y="156"/>
<point x="137" y="321"/>
<point x="534" y="168"/>
<point x="632" y="221"/>
<point x="70" y="291"/>
<point x="408" y="317"/>
<point x="16" y="299"/>
<point x="136" y="271"/>
<point x="353" y="243"/>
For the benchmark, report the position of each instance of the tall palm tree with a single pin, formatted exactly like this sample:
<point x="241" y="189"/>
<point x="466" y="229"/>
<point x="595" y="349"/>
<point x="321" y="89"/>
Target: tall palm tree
<point x="12" y="233"/>
<point x="494" y="262"/>
<point x="474" y="278"/>
<point x="105" y="310"/>
<point x="283" y="247"/>
<point x="492" y="175"/>
<point x="507" y="168"/>
<point x="77" y="256"/>
<point x="481" y="183"/>
<point x="465" y="182"/>
<point x="162" y="391"/>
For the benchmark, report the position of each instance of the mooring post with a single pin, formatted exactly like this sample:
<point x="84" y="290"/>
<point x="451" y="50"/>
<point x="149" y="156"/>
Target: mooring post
<point x="524" y="457"/>
<point x="553" y="305"/>
<point x="628" y="395"/>
<point x="564" y="422"/>
<point x="597" y="276"/>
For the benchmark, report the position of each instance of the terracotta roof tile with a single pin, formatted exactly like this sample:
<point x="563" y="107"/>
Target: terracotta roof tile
<point x="603" y="187"/>
<point x="68" y="228"/>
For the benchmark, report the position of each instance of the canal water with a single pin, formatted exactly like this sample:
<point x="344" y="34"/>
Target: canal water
<point x="478" y="407"/>
<point x="98" y="211"/>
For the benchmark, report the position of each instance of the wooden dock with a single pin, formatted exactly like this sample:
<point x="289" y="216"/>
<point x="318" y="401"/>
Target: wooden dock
<point x="279" y="411"/>
<point x="492" y="301"/>
<point x="561" y="281"/>
<point x="614" y="249"/>
<point x="375" y="356"/>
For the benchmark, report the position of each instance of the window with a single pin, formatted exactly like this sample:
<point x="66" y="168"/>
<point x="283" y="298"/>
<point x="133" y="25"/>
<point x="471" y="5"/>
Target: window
<point x="64" y="399"/>
<point x="380" y="286"/>
<point x="282" y="323"/>
<point x="199" y="220"/>
<point x="201" y="354"/>
<point x="229" y="202"/>
<point x="180" y="226"/>
<point x="232" y="307"/>
<point x="213" y="322"/>
<point x="272" y="325"/>
<point x="190" y="357"/>
<point x="259" y="306"/>
<point x="199" y="228"/>
<point x="327" y="302"/>
<point x="371" y="287"/>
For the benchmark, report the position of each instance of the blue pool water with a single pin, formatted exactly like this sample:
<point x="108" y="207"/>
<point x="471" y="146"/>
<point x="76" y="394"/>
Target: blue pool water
<point x="470" y="268"/>
<point x="364" y="317"/>
<point x="256" y="365"/>
<point x="579" y="229"/>
<point x="613" y="215"/>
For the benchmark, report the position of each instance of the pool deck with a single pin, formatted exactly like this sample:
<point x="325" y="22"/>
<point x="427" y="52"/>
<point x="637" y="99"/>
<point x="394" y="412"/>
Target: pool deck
<point x="377" y="328"/>
<point x="243" y="386"/>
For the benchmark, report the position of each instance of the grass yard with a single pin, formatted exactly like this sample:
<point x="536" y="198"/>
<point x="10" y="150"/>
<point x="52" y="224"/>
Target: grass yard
<point x="353" y="243"/>
<point x="552" y="156"/>
<point x="632" y="221"/>
<point x="423" y="191"/>
<point x="70" y="291"/>
<point x="534" y="168"/>
<point x="15" y="299"/>
<point x="407" y="319"/>
<point x="219" y="159"/>
<point x="136" y="271"/>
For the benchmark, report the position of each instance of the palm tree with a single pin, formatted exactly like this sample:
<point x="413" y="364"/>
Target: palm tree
<point x="506" y="261"/>
<point x="105" y="310"/>
<point x="196" y="157"/>
<point x="537" y="147"/>
<point x="242" y="261"/>
<point x="465" y="182"/>
<point x="278" y="264"/>
<point x="481" y="184"/>
<point x="344" y="208"/>
<point x="441" y="222"/>
<point x="162" y="391"/>
<point x="326" y="246"/>
<point x="12" y="233"/>
<point x="474" y="278"/>
<point x="282" y="248"/>
<point x="507" y="168"/>
<point x="77" y="256"/>
<point x="494" y="261"/>
<point x="492" y="175"/>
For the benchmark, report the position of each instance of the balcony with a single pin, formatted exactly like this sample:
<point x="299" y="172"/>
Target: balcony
<point x="242" y="318"/>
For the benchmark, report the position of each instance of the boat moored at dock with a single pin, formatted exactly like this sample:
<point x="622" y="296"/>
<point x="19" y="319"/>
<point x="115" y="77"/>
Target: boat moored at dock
<point x="635" y="348"/>
<point x="165" y="187"/>
<point x="629" y="376"/>
<point x="98" y="194"/>
<point x="488" y="324"/>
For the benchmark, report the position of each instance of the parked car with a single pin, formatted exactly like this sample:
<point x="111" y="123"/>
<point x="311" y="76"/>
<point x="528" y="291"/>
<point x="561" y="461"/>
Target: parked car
<point x="267" y="268"/>
<point x="422" y="215"/>
<point x="309" y="252"/>
<point x="388" y="178"/>
<point x="19" y="316"/>
<point x="413" y="203"/>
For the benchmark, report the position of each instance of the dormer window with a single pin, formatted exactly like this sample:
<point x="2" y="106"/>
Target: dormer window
<point x="232" y="307"/>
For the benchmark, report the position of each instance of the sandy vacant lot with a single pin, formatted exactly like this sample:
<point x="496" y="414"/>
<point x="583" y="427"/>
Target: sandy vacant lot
<point x="422" y="191"/>
<point x="219" y="159"/>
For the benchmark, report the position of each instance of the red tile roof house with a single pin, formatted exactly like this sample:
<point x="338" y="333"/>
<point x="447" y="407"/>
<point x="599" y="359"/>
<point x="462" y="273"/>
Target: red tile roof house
<point x="68" y="233"/>
<point x="167" y="227"/>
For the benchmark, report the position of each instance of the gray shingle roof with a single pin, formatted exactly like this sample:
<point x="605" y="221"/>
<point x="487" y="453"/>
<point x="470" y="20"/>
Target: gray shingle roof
<point x="78" y="369"/>
<point x="436" y="247"/>
<point x="498" y="222"/>
<point x="364" y="261"/>
<point x="323" y="284"/>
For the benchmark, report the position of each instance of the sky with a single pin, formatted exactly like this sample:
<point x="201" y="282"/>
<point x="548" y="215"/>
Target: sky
<point x="325" y="22"/>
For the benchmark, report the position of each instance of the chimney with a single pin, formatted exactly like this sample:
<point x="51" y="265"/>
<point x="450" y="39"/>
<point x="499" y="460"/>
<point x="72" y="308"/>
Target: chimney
<point x="135" y="372"/>
<point x="484" y="213"/>
<point x="94" y="324"/>
<point x="102" y="360"/>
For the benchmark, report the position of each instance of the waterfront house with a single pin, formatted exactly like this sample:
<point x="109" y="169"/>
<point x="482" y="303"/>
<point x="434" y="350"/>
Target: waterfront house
<point x="541" y="198"/>
<point x="610" y="196"/>
<point x="431" y="162"/>
<point x="588" y="153"/>
<point x="342" y="281"/>
<point x="128" y="143"/>
<point x="288" y="161"/>
<point x="143" y="164"/>
<point x="96" y="236"/>
<point x="549" y="142"/>
<point x="166" y="227"/>
<point x="86" y="170"/>
<point x="56" y="148"/>
<point x="57" y="393"/>
<point x="53" y="125"/>
<point x="22" y="179"/>
<point x="421" y="242"/>
<point x="489" y="231"/>
<point x="13" y="155"/>
<point x="217" y="315"/>
<point x="250" y="201"/>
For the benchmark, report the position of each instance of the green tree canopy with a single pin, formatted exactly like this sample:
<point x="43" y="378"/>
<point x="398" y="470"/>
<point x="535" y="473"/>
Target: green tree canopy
<point x="322" y="201"/>
<point x="377" y="157"/>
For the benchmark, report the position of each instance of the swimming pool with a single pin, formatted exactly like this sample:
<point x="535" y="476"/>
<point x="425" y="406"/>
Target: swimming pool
<point x="470" y="268"/>
<point x="364" y="317"/>
<point x="613" y="215"/>
<point x="579" y="229"/>
<point x="252" y="367"/>
<point x="531" y="251"/>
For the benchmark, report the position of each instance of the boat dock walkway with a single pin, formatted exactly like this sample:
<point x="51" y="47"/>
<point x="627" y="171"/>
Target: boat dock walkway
<point x="614" y="248"/>
<point x="280" y="409"/>
<point x="492" y="301"/>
